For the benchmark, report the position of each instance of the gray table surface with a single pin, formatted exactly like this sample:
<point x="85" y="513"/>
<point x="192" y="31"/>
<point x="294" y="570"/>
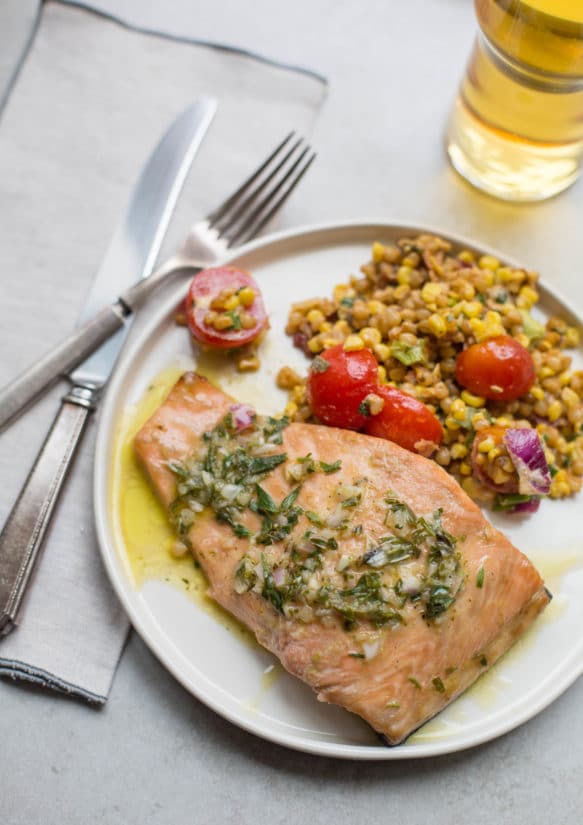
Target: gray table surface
<point x="155" y="754"/>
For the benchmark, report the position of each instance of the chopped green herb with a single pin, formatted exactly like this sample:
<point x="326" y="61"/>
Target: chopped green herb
<point x="480" y="578"/>
<point x="348" y="302"/>
<point x="357" y="655"/>
<point x="438" y="685"/>
<point x="392" y="703"/>
<point x="363" y="408"/>
<point x="319" y="364"/>
<point x="408" y="354"/>
<point x="509" y="502"/>
<point x="483" y="661"/>
<point x="330" y="468"/>
<point x="414" y="682"/>
<point x="235" y="319"/>
<point x="314" y="518"/>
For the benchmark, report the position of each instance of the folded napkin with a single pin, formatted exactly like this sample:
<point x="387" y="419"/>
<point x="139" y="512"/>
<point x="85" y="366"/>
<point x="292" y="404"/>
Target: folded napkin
<point x="87" y="107"/>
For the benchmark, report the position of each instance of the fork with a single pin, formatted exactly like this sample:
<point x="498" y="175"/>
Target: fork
<point x="240" y="217"/>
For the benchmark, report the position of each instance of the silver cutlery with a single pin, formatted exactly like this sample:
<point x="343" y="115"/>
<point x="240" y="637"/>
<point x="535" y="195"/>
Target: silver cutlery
<point x="238" y="219"/>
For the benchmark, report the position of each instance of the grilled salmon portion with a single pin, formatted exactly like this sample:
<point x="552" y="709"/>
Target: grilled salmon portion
<point x="363" y="567"/>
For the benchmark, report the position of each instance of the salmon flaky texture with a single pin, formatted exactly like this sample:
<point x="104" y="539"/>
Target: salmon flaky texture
<point x="364" y="568"/>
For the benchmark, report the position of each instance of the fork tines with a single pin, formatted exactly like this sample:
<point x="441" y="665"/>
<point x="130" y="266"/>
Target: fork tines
<point x="244" y="214"/>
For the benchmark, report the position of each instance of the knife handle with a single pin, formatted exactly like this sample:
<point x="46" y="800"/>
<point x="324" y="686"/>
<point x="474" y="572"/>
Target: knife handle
<point x="22" y="535"/>
<point x="17" y="395"/>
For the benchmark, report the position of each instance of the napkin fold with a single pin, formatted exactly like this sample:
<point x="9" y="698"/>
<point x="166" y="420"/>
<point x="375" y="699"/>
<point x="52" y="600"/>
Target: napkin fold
<point x="88" y="105"/>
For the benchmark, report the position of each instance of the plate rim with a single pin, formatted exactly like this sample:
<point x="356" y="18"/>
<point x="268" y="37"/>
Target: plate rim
<point x="154" y="638"/>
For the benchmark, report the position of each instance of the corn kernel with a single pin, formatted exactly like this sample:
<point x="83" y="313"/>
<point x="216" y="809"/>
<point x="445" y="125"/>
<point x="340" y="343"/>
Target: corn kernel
<point x="247" y="296"/>
<point x="315" y="344"/>
<point x="488" y="262"/>
<point x="546" y="372"/>
<point x="472" y="309"/>
<point x="329" y="342"/>
<point x="486" y="445"/>
<point x="374" y="307"/>
<point x="382" y="374"/>
<point x="370" y="336"/>
<point x="458" y="410"/>
<point x="527" y="297"/>
<point x="291" y="409"/>
<point x="565" y="378"/>
<point x="430" y="292"/>
<point x="382" y="351"/>
<point x="353" y="343"/>
<point x="231" y="303"/>
<point x="465" y="468"/>
<point x="458" y="450"/>
<point x="555" y="411"/>
<point x="223" y="321"/>
<point x="404" y="274"/>
<point x="378" y="252"/>
<point x="251" y="364"/>
<point x="572" y="337"/>
<point x="479" y="421"/>
<point x="375" y="403"/>
<point x="523" y="339"/>
<point x="466" y="256"/>
<point x="472" y="400"/>
<point x="437" y="325"/>
<point x="569" y="396"/>
<point x="537" y="392"/>
<point x="478" y="328"/>
<point x="401" y="292"/>
<point x="493" y="324"/>
<point x="451" y="423"/>
<point x="341" y="291"/>
<point x="495" y="453"/>
<point x="342" y="326"/>
<point x="315" y="318"/>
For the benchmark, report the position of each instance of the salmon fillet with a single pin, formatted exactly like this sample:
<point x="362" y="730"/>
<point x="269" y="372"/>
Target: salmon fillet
<point x="363" y="567"/>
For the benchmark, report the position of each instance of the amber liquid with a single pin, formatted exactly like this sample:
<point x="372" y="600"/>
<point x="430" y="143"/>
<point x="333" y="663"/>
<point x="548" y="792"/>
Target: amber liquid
<point x="516" y="130"/>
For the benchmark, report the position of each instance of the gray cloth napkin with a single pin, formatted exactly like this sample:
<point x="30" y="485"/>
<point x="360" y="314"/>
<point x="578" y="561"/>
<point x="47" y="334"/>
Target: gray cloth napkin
<point x="89" y="104"/>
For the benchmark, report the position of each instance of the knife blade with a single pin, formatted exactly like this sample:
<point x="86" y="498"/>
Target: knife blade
<point x="130" y="256"/>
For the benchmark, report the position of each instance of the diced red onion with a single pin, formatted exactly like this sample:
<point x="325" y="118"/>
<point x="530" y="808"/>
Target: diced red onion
<point x="242" y="415"/>
<point x="527" y="506"/>
<point x="279" y="576"/>
<point x="528" y="456"/>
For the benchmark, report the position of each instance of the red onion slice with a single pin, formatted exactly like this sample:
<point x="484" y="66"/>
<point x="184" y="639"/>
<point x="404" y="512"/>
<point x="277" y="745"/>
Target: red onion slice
<point x="242" y="415"/>
<point x="528" y="456"/>
<point x="527" y="506"/>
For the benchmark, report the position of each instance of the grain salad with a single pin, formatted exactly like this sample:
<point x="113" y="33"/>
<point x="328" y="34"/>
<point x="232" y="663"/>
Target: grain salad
<point x="419" y="303"/>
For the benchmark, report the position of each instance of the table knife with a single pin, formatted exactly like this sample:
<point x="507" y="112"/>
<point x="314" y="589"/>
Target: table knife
<point x="131" y="255"/>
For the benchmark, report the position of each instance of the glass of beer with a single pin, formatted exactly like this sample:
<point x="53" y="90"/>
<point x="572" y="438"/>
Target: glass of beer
<point x="516" y="130"/>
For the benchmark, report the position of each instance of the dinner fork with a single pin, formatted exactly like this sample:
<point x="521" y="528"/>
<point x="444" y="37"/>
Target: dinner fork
<point x="240" y="218"/>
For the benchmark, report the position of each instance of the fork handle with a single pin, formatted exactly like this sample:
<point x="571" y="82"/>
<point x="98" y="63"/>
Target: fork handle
<point x="22" y="535"/>
<point x="19" y="394"/>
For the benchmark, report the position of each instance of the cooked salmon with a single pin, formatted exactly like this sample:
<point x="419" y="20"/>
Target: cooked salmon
<point x="363" y="567"/>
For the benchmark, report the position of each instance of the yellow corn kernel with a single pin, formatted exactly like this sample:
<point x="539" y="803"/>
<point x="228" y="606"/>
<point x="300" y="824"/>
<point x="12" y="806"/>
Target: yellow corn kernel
<point x="378" y="252"/>
<point x="341" y="291"/>
<point x="342" y="326"/>
<point x="382" y="351"/>
<point x="472" y="309"/>
<point x="478" y="328"/>
<point x="353" y="343"/>
<point x="231" y="303"/>
<point x="501" y="421"/>
<point x="458" y="410"/>
<point x="223" y="321"/>
<point x="488" y="262"/>
<point x="569" y="396"/>
<point x="486" y="445"/>
<point x="291" y="409"/>
<point x="299" y="393"/>
<point x="465" y="468"/>
<point x="247" y="296"/>
<point x="430" y="292"/>
<point x="479" y="421"/>
<point x="495" y="453"/>
<point x="466" y="256"/>
<point x="375" y="403"/>
<point x="572" y="337"/>
<point x="523" y="339"/>
<point x="493" y="324"/>
<point x="565" y="378"/>
<point x="315" y="318"/>
<point x="250" y="364"/>
<point x="370" y="336"/>
<point x="546" y="372"/>
<point x="328" y="342"/>
<point x="404" y="274"/>
<point x="537" y="392"/>
<point x="374" y="307"/>
<point x="382" y="374"/>
<point x="451" y="423"/>
<point x="458" y="450"/>
<point x="401" y="292"/>
<point x="555" y="411"/>
<point x="503" y="274"/>
<point x="472" y="400"/>
<point x="315" y="344"/>
<point x="527" y="297"/>
<point x="437" y="325"/>
<point x="326" y="326"/>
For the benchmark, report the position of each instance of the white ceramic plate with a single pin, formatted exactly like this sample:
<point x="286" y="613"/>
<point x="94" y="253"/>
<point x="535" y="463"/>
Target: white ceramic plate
<point x="226" y="674"/>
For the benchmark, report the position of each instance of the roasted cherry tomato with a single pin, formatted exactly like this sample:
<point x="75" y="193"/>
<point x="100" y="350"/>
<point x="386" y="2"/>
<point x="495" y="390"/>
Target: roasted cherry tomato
<point x="338" y="383"/>
<point x="499" y="368"/>
<point x="224" y="308"/>
<point x="406" y="421"/>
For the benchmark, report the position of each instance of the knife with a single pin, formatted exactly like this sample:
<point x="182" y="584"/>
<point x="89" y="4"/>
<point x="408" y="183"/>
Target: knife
<point x="131" y="254"/>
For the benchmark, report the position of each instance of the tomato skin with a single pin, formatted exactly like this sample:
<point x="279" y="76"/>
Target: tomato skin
<point x="499" y="368"/>
<point x="207" y="285"/>
<point x="335" y="392"/>
<point x="406" y="421"/>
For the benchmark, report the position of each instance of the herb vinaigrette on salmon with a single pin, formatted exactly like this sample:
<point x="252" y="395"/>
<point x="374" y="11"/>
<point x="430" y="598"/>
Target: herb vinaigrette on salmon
<point x="296" y="559"/>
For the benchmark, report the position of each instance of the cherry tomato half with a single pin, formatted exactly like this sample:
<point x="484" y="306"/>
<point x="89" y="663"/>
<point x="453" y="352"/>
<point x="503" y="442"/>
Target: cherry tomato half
<point x="224" y="308"/>
<point x="406" y="421"/>
<point x="338" y="382"/>
<point x="499" y="368"/>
